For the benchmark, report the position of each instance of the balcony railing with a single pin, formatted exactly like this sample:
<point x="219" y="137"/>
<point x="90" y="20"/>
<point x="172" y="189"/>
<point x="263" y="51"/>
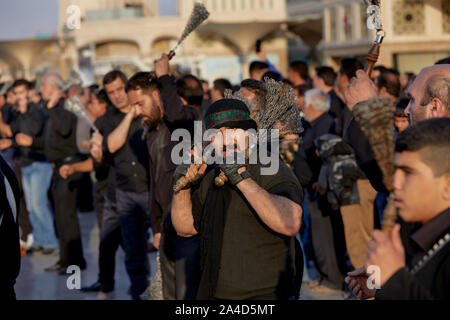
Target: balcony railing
<point x="113" y="14"/>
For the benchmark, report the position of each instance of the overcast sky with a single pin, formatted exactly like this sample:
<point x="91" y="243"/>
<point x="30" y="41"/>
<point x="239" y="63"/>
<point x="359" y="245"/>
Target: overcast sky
<point x="24" y="19"/>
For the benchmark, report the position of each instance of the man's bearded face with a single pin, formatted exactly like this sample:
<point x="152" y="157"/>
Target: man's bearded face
<point x="148" y="107"/>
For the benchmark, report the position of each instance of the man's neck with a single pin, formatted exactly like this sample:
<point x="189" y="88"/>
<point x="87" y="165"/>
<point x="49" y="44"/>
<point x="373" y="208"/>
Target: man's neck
<point x="315" y="116"/>
<point x="299" y="82"/>
<point x="438" y="210"/>
<point x="125" y="109"/>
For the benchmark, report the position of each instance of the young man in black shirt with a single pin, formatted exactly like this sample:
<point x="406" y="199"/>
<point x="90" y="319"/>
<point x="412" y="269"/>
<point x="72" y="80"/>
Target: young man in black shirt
<point x="126" y="143"/>
<point x="36" y="172"/>
<point x="422" y="195"/>
<point x="239" y="221"/>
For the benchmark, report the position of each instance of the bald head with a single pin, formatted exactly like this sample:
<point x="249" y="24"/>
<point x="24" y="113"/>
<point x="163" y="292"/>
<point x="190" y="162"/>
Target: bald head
<point x="430" y="94"/>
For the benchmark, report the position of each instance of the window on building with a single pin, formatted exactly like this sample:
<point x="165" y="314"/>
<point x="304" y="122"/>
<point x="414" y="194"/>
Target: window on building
<point x="446" y="16"/>
<point x="347" y="23"/>
<point x="409" y="17"/>
<point x="333" y="24"/>
<point x="363" y="14"/>
<point x="167" y="8"/>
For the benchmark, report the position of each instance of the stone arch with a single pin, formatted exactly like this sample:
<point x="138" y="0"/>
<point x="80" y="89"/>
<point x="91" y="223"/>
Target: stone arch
<point x="162" y="44"/>
<point x="107" y="49"/>
<point x="10" y="67"/>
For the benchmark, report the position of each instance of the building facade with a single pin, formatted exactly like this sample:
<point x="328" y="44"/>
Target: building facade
<point x="131" y="34"/>
<point x="417" y="31"/>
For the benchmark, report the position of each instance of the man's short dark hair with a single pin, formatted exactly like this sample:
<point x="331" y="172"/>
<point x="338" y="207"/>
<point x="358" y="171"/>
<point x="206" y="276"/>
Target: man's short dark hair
<point x="20" y="82"/>
<point x="93" y="88"/>
<point x="301" y="68"/>
<point x="113" y="75"/>
<point x="142" y="80"/>
<point x="31" y="85"/>
<point x="380" y="68"/>
<point x="101" y="95"/>
<point x="443" y="61"/>
<point x="400" y="108"/>
<point x="301" y="89"/>
<point x="221" y="85"/>
<point x="272" y="75"/>
<point x="349" y="66"/>
<point x="327" y="74"/>
<point x="191" y="89"/>
<point x="390" y="81"/>
<point x="431" y="138"/>
<point x="437" y="86"/>
<point x="258" y="66"/>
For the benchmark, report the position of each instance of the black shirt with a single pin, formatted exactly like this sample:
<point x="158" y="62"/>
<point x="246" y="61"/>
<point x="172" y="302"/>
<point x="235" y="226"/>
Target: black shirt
<point x="337" y="106"/>
<point x="160" y="149"/>
<point x="105" y="171"/>
<point x="60" y="135"/>
<point x="432" y="280"/>
<point x="31" y="123"/>
<point x="306" y="163"/>
<point x="254" y="259"/>
<point x="364" y="156"/>
<point x="130" y="162"/>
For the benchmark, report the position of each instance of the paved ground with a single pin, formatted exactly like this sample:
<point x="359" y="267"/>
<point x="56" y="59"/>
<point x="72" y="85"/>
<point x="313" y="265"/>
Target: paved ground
<point x="36" y="284"/>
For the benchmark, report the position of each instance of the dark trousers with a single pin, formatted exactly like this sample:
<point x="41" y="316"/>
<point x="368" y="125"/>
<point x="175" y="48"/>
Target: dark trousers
<point x="24" y="218"/>
<point x="7" y="292"/>
<point x="180" y="264"/>
<point x="66" y="219"/>
<point x="101" y="189"/>
<point x="187" y="267"/>
<point x="110" y="239"/>
<point x="328" y="241"/>
<point x="167" y="260"/>
<point x="133" y="210"/>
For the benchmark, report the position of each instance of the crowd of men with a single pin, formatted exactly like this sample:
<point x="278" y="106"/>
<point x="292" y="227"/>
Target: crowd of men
<point x="240" y="240"/>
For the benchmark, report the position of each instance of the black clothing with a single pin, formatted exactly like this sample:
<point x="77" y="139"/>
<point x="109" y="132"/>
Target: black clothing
<point x="231" y="269"/>
<point x="7" y="113"/>
<point x="364" y="156"/>
<point x="9" y="234"/>
<point x="66" y="219"/>
<point x="432" y="279"/>
<point x="31" y="123"/>
<point x="176" y="116"/>
<point x="179" y="282"/>
<point x="131" y="161"/>
<point x="337" y="106"/>
<point x="343" y="121"/>
<point x="60" y="136"/>
<point x="105" y="171"/>
<point x="306" y="163"/>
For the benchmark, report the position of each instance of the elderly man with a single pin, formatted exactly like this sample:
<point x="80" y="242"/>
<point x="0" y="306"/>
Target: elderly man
<point x="430" y="94"/>
<point x="238" y="222"/>
<point x="326" y="225"/>
<point x="430" y="98"/>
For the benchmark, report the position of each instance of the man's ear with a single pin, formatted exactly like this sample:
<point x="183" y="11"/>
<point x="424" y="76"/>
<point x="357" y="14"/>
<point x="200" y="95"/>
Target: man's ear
<point x="438" y="109"/>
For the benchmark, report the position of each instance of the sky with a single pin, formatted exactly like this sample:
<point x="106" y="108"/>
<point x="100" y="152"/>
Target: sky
<point x="41" y="17"/>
